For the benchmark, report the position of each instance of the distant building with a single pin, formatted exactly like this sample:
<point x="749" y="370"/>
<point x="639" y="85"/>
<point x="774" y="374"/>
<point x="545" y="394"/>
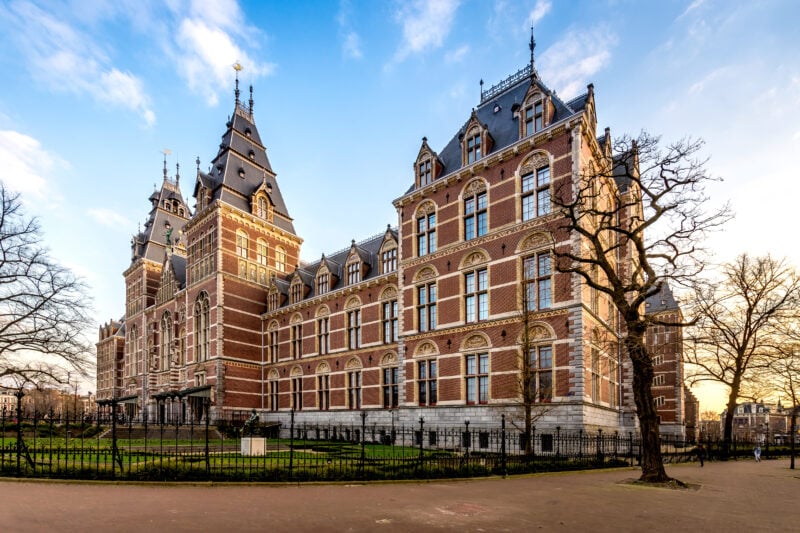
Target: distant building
<point x="758" y="421"/>
<point x="423" y="320"/>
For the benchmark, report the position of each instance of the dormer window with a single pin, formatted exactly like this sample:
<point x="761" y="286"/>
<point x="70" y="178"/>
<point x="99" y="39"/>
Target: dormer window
<point x="534" y="118"/>
<point x="296" y="292"/>
<point x="353" y="273"/>
<point x="425" y="175"/>
<point x="473" y="148"/>
<point x="388" y="260"/>
<point x="248" y="133"/>
<point x="323" y="283"/>
<point x="261" y="207"/>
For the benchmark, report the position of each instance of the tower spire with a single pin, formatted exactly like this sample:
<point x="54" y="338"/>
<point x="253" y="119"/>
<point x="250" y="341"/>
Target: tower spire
<point x="166" y="152"/>
<point x="177" y="174"/>
<point x="532" y="46"/>
<point x="237" y="67"/>
<point x="251" y="100"/>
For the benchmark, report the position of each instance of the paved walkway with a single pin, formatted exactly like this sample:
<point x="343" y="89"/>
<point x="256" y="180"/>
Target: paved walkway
<point x="733" y="496"/>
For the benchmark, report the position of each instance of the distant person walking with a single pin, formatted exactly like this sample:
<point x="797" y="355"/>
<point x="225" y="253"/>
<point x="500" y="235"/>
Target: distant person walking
<point x="757" y="453"/>
<point x="701" y="454"/>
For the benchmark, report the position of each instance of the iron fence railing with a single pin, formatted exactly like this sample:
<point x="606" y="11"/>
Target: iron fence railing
<point x="235" y="451"/>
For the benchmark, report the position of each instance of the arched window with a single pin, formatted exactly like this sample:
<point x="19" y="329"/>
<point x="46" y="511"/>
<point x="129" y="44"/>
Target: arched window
<point x="166" y="341"/>
<point x="426" y="229"/>
<point x="242" y="243"/>
<point x="262" y="210"/>
<point x="134" y="365"/>
<point x="280" y="259"/>
<point x="202" y="327"/>
<point x="262" y="250"/>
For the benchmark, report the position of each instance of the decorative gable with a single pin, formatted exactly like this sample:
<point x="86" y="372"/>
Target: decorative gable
<point x="428" y="166"/>
<point x="476" y="142"/>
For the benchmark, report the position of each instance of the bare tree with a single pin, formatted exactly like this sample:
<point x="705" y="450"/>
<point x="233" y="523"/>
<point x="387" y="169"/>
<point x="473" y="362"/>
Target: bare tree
<point x="738" y="329"/>
<point x="44" y="309"/>
<point x="636" y="222"/>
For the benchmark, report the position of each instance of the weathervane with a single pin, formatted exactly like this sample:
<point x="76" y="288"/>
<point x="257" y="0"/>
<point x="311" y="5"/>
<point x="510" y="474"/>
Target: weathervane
<point x="238" y="68"/>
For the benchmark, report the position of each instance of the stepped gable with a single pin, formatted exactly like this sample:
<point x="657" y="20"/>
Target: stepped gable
<point x="168" y="214"/>
<point x="241" y="166"/>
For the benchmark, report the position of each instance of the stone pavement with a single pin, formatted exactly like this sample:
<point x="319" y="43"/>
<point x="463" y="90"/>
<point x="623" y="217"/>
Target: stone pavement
<point x="732" y="496"/>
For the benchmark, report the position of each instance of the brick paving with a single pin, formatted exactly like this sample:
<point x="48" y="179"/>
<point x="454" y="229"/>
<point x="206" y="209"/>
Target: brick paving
<point x="732" y="496"/>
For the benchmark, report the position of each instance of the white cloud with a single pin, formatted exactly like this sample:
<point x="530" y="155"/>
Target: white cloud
<point x="65" y="59"/>
<point x="351" y="47"/>
<point x="538" y="12"/>
<point x="110" y="218"/>
<point x="454" y="56"/>
<point x="425" y="25"/>
<point x="709" y="78"/>
<point x="25" y="165"/>
<point x="351" y="41"/>
<point x="206" y="54"/>
<point x="569" y="64"/>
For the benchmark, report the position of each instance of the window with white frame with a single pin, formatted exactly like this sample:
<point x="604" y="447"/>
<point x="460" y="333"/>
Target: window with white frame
<point x="389" y="321"/>
<point x="323" y="335"/>
<point x="476" y="295"/>
<point x="426" y="234"/>
<point x="537" y="272"/>
<point x="475" y="216"/>
<point x="536" y="193"/>
<point x="354" y="389"/>
<point x="354" y="329"/>
<point x="426" y="307"/>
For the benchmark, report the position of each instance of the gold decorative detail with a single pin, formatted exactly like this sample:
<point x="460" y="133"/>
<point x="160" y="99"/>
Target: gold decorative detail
<point x="426" y="208"/>
<point x="273" y="374"/>
<point x="389" y="359"/>
<point x="388" y="293"/>
<point x="297" y="318"/>
<point x="475" y="258"/>
<point x="474" y="187"/>
<point x="323" y="368"/>
<point x="323" y="311"/>
<point x="425" y="273"/>
<point x="296" y="371"/>
<point x="426" y="348"/>
<point x="534" y="161"/>
<point x="354" y="301"/>
<point x="475" y="341"/>
<point x="539" y="239"/>
<point x="353" y="364"/>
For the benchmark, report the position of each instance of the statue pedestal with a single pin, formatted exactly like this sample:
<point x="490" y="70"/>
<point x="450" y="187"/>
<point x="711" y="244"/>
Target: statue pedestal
<point x="254" y="446"/>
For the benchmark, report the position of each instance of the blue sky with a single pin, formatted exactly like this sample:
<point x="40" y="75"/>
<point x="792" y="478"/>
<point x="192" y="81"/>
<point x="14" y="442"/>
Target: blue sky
<point x="94" y="90"/>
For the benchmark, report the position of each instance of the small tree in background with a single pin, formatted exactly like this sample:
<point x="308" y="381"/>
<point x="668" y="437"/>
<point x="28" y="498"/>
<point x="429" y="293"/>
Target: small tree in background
<point x="44" y="308"/>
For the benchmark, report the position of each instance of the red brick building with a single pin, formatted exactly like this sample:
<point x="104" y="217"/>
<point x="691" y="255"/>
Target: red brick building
<point x="435" y="318"/>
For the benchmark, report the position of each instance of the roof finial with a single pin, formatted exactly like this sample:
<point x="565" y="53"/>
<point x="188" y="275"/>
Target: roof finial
<point x="177" y="173"/>
<point x="251" y="100"/>
<point x="237" y="67"/>
<point x="197" y="162"/>
<point x="481" y="89"/>
<point x="532" y="46"/>
<point x="166" y="152"/>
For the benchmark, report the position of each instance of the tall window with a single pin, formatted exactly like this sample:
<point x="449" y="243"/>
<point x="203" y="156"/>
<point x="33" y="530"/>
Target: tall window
<point x="280" y="259"/>
<point x="426" y="234"/>
<point x="241" y="244"/>
<point x="273" y="394"/>
<point x="354" y="329"/>
<point x="390" y="388"/>
<point x="476" y="299"/>
<point x="323" y="335"/>
<point x="262" y="251"/>
<point x="424" y="172"/>
<point x="473" y="148"/>
<point x="296" y="332"/>
<point x="475" y="219"/>
<point x="202" y="327"/>
<point x="538" y="285"/>
<point x="541" y="384"/>
<point x="390" y="322"/>
<point x="428" y="393"/>
<point x="353" y="273"/>
<point x="166" y="341"/>
<point x="595" y="375"/>
<point x="612" y="384"/>
<point x="536" y="193"/>
<point x="296" y="292"/>
<point x="426" y="307"/>
<point x="477" y="378"/>
<point x="323" y="392"/>
<point x="297" y="393"/>
<point x="389" y="261"/>
<point x="322" y="284"/>
<point x="262" y="207"/>
<point x="273" y="299"/>
<point x="354" y="389"/>
<point x="273" y="345"/>
<point x="132" y="362"/>
<point x="534" y="118"/>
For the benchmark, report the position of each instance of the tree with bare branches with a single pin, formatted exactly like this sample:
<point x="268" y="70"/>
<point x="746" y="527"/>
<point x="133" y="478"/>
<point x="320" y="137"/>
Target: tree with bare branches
<point x="44" y="307"/>
<point x="738" y="332"/>
<point x="637" y="221"/>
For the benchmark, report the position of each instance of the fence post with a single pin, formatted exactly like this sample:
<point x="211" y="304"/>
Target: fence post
<point x="630" y="446"/>
<point x="503" y="445"/>
<point x="467" y="440"/>
<point x="600" y="446"/>
<point x="421" y="425"/>
<point x="207" y="402"/>
<point x="291" y="442"/>
<point x="19" y="394"/>
<point x="363" y="439"/>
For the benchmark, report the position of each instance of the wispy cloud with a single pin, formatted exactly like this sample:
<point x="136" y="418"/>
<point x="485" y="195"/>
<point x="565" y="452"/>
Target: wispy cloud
<point x="691" y="7"/>
<point x="207" y="47"/>
<point x="569" y="64"/>
<point x="26" y="165"/>
<point x="351" y="41"/>
<point x="709" y="78"/>
<point x="109" y="218"/>
<point x="425" y="24"/>
<point x="538" y="12"/>
<point x="66" y="59"/>
<point x="454" y="56"/>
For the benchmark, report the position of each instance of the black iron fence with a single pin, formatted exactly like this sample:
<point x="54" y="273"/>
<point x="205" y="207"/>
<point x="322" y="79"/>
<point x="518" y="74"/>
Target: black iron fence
<point x="236" y="451"/>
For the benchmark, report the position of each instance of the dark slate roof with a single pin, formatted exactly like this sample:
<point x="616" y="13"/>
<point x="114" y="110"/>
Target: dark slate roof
<point x="368" y="250"/>
<point x="151" y="242"/>
<point x="178" y="263"/>
<point x="661" y="301"/>
<point x="622" y="171"/>
<point x="241" y="166"/>
<point x="503" y="126"/>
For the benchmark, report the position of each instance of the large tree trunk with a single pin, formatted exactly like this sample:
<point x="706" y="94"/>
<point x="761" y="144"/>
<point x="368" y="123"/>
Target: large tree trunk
<point x="727" y="435"/>
<point x="791" y="437"/>
<point x="652" y="463"/>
